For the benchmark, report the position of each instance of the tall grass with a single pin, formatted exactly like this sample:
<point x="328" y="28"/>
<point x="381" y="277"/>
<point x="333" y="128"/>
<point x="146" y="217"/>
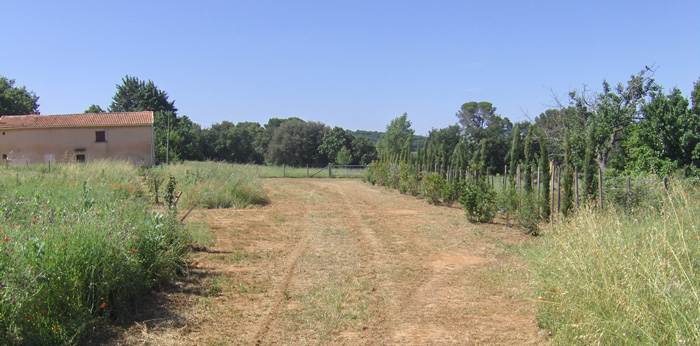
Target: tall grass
<point x="613" y="279"/>
<point x="78" y="247"/>
<point x="216" y="184"/>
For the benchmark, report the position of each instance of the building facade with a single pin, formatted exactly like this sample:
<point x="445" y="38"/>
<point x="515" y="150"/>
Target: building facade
<point x="27" y="139"/>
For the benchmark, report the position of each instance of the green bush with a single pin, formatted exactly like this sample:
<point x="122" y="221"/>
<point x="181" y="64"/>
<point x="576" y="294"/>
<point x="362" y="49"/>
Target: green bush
<point x="528" y="216"/>
<point x="479" y="202"/>
<point x="432" y="188"/>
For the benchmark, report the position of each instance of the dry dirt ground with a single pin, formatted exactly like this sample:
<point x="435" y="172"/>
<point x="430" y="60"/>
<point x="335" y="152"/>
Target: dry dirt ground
<point x="341" y="262"/>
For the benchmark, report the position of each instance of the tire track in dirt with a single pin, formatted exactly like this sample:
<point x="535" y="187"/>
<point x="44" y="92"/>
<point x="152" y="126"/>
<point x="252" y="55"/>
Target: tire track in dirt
<point x="280" y="296"/>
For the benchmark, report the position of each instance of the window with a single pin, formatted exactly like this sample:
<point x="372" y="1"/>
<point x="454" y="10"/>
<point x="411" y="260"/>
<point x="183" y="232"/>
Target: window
<point x="100" y="136"/>
<point x="80" y="158"/>
<point x="4" y="156"/>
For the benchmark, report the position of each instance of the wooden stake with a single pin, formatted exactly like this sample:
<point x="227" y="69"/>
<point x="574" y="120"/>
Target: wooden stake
<point x="576" y="185"/>
<point x="600" y="189"/>
<point x="558" y="192"/>
<point x="539" y="170"/>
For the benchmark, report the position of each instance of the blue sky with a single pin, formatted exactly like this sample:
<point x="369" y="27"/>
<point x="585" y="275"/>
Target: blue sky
<point x="355" y="64"/>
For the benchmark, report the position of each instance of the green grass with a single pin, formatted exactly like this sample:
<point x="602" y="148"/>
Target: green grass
<point x="615" y="279"/>
<point x="80" y="247"/>
<point x="213" y="184"/>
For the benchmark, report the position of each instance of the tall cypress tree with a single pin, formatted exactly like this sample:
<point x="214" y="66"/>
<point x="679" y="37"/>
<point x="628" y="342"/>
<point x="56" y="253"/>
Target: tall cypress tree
<point x="546" y="176"/>
<point x="590" y="166"/>
<point x="529" y="159"/>
<point x="515" y="150"/>
<point x="567" y="204"/>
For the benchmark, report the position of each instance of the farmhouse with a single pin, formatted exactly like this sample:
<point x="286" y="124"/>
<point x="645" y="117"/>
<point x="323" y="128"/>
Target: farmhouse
<point x="27" y="139"/>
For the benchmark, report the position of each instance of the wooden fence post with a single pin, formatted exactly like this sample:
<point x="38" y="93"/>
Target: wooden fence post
<point x="284" y="170"/>
<point x="307" y="171"/>
<point x="330" y="171"/>
<point x="551" y="191"/>
<point x="629" y="196"/>
<point x="558" y="192"/>
<point x="539" y="170"/>
<point x="600" y="189"/>
<point x="576" y="185"/>
<point x="666" y="184"/>
<point x="505" y="174"/>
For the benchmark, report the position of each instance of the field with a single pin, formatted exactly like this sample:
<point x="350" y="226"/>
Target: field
<point x="340" y="262"/>
<point x="300" y="261"/>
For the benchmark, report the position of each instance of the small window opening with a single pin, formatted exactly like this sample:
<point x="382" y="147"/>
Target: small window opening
<point x="100" y="136"/>
<point x="80" y="158"/>
<point x="4" y="156"/>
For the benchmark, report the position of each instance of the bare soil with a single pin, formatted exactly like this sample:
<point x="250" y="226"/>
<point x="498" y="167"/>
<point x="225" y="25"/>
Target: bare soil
<point x="341" y="262"/>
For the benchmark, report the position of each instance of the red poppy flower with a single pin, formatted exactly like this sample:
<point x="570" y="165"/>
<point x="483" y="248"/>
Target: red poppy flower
<point x="103" y="305"/>
<point x="56" y="329"/>
<point x="5" y="240"/>
<point x="35" y="219"/>
<point x="64" y="243"/>
<point x="133" y="250"/>
<point x="42" y="311"/>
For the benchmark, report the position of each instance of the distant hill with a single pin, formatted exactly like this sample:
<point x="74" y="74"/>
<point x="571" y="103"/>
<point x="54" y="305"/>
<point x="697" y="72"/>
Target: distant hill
<point x="375" y="135"/>
<point x="372" y="135"/>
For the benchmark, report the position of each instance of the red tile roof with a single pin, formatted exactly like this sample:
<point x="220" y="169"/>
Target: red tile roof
<point x="76" y="120"/>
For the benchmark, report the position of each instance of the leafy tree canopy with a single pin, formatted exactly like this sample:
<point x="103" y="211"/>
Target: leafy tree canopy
<point x="135" y="95"/>
<point x="476" y="114"/>
<point x="397" y="141"/>
<point x="335" y="140"/>
<point x="296" y="142"/>
<point x="16" y="100"/>
<point x="94" y="109"/>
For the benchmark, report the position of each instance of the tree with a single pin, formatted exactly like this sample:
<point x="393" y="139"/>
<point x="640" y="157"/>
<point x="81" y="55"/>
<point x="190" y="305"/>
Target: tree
<point x="344" y="156"/>
<point x="441" y="145"/>
<point x="554" y="124"/>
<point x="515" y="152"/>
<point x="460" y="156"/>
<point x="333" y="141"/>
<point x="94" y="109"/>
<point x="529" y="161"/>
<point x="667" y="138"/>
<point x="567" y="204"/>
<point x="16" y="100"/>
<point x="135" y="95"/>
<point x="695" y="98"/>
<point x="363" y="151"/>
<point x="171" y="132"/>
<point x="397" y="141"/>
<point x="613" y="111"/>
<point x="233" y="143"/>
<point x="296" y="142"/>
<point x="481" y="123"/>
<point x="546" y="174"/>
<point x="476" y="114"/>
<point x="590" y="167"/>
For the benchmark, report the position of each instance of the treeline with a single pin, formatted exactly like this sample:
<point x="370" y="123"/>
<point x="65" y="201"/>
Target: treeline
<point x="633" y="128"/>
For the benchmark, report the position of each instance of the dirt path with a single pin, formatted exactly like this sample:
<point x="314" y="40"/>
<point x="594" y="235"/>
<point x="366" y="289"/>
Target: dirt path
<point x="340" y="262"/>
